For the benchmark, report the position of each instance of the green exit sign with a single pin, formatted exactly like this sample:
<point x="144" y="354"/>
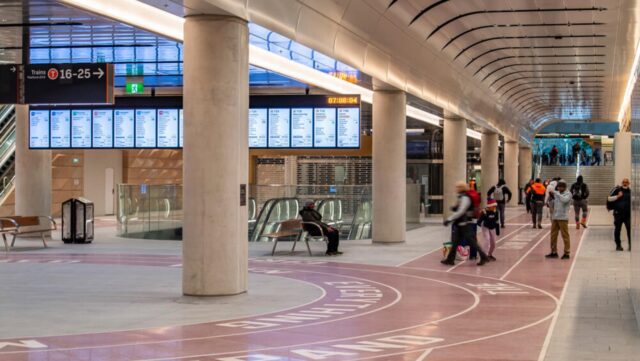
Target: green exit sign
<point x="134" y="88"/>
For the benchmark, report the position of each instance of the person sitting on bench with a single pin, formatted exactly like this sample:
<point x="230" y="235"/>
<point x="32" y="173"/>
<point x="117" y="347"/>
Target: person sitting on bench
<point x="309" y="214"/>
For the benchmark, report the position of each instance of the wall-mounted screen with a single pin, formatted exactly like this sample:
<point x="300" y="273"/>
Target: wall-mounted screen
<point x="348" y="127"/>
<point x="181" y="128"/>
<point x="324" y="128"/>
<point x="301" y="128"/>
<point x="168" y="128"/>
<point x="279" y="127"/>
<point x="102" y="128"/>
<point x="296" y="122"/>
<point x="39" y="129"/>
<point x="81" y="128"/>
<point x="60" y="129"/>
<point x="145" y="128"/>
<point x="258" y="128"/>
<point x="124" y="128"/>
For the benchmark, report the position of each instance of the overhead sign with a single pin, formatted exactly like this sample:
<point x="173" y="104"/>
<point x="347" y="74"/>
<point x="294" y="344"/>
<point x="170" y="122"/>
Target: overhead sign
<point x="9" y="89"/>
<point x="134" y="88"/>
<point x="81" y="83"/>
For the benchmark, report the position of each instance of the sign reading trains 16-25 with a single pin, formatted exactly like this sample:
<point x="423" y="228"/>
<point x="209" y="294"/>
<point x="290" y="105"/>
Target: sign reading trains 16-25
<point x="81" y="83"/>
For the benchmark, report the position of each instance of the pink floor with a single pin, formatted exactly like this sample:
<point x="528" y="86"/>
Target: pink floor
<point x="421" y="310"/>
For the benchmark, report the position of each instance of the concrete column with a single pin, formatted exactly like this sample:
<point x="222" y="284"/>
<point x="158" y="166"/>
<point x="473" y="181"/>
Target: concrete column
<point x="389" y="166"/>
<point x="455" y="159"/>
<point x="511" y="169"/>
<point x="33" y="171"/>
<point x="525" y="160"/>
<point x="622" y="156"/>
<point x="489" y="163"/>
<point x="215" y="155"/>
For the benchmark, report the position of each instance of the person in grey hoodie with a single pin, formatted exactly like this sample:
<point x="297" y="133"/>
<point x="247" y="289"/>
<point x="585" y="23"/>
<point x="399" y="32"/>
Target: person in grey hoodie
<point x="561" y="202"/>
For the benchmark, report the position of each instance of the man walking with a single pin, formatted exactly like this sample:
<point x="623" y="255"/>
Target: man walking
<point x="462" y="217"/>
<point x="561" y="199"/>
<point x="580" y="193"/>
<point x="620" y="201"/>
<point x="536" y="198"/>
<point x="502" y="194"/>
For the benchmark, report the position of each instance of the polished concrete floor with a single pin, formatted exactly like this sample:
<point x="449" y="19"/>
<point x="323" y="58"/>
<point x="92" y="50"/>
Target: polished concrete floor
<point x="119" y="299"/>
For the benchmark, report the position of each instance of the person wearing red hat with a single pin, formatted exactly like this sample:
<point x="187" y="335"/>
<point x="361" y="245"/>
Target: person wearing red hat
<point x="488" y="221"/>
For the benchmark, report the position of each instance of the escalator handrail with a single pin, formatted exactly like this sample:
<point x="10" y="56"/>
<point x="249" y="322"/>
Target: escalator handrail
<point x="6" y="156"/>
<point x="274" y="202"/>
<point x="7" y="131"/>
<point x="10" y="123"/>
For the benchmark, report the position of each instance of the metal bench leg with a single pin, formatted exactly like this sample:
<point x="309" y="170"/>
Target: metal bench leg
<point x="43" y="240"/>
<point x="306" y="240"/>
<point x="275" y="243"/>
<point x="13" y="240"/>
<point x="295" y="242"/>
<point x="6" y="245"/>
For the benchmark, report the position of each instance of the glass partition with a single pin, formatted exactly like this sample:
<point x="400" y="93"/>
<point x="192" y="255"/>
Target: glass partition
<point x="155" y="211"/>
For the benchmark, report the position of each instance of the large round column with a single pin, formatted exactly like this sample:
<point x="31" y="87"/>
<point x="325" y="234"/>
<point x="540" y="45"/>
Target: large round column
<point x="455" y="159"/>
<point x="33" y="171"/>
<point x="389" y="166"/>
<point x="511" y="169"/>
<point x="622" y="156"/>
<point x="525" y="170"/>
<point x="488" y="162"/>
<point x="215" y="155"/>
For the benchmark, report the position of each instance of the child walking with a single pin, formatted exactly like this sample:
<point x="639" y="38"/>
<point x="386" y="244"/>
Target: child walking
<point x="488" y="220"/>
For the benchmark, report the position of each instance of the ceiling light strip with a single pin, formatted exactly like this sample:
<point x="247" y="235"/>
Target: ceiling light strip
<point x="633" y="76"/>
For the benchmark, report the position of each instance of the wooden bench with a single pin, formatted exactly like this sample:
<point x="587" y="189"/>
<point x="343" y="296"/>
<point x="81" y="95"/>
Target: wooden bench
<point x="19" y="225"/>
<point x="296" y="229"/>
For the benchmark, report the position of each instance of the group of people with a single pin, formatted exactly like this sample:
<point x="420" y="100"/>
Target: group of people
<point x="578" y="155"/>
<point x="539" y="195"/>
<point x="467" y="216"/>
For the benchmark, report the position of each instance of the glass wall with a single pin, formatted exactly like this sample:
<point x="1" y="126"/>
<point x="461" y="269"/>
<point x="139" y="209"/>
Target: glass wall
<point x="635" y="192"/>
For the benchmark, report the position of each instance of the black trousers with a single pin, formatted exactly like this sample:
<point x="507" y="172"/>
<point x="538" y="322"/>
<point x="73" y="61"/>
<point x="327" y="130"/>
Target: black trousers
<point x="618" y="221"/>
<point x="501" y="211"/>
<point x="334" y="240"/>
<point x="464" y="232"/>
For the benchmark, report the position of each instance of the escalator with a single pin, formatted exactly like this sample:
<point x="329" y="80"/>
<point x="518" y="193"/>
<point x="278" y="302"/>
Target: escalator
<point x="7" y="151"/>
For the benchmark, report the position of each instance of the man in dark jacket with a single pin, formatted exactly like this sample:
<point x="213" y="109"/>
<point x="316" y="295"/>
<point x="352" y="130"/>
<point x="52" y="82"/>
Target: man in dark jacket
<point x="580" y="193"/>
<point x="621" y="199"/>
<point x="462" y="218"/>
<point x="309" y="214"/>
<point x="501" y="193"/>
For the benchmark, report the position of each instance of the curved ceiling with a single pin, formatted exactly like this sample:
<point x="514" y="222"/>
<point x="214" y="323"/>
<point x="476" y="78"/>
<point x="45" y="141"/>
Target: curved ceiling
<point x="511" y="65"/>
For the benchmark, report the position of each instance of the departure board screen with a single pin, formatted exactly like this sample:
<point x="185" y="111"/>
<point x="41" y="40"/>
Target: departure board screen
<point x="145" y="128"/>
<point x="279" y="128"/>
<point x="124" y="128"/>
<point x="102" y="128"/>
<point x="324" y="128"/>
<point x="257" y="128"/>
<point x="167" y="128"/>
<point x="81" y="128"/>
<point x="301" y="128"/>
<point x="39" y="129"/>
<point x="292" y="121"/>
<point x="60" y="129"/>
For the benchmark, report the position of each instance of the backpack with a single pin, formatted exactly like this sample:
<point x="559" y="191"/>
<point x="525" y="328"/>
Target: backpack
<point x="611" y="205"/>
<point x="498" y="194"/>
<point x="476" y="203"/>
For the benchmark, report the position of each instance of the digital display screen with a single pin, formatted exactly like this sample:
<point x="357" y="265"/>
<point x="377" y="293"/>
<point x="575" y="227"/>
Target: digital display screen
<point x="124" y="128"/>
<point x="301" y="128"/>
<point x="324" y="129"/>
<point x="81" y="128"/>
<point x="257" y="128"/>
<point x="39" y="129"/>
<point x="102" y="128"/>
<point x="181" y="128"/>
<point x="145" y="128"/>
<point x="348" y="127"/>
<point x="60" y="129"/>
<point x="279" y="128"/>
<point x="168" y="128"/>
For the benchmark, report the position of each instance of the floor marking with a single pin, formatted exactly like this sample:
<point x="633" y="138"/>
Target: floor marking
<point x="547" y="340"/>
<point x="398" y="298"/>
<point x="424" y="355"/>
<point x="525" y="255"/>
